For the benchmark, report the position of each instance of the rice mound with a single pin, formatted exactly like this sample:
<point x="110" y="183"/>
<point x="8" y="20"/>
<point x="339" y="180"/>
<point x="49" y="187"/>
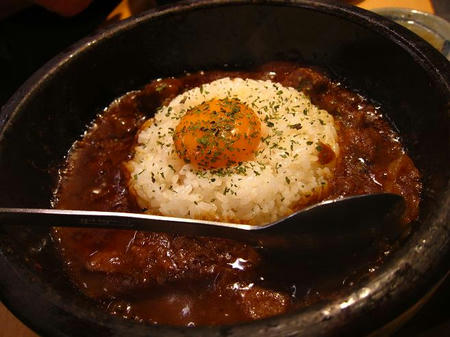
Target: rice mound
<point x="284" y="175"/>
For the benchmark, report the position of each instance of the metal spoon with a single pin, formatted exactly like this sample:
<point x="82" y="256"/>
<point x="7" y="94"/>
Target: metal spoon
<point x="328" y="222"/>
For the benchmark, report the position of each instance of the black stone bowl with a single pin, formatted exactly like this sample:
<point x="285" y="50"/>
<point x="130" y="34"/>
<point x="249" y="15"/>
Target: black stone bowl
<point x="384" y="61"/>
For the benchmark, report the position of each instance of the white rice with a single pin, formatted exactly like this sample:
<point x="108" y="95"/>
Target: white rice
<point x="285" y="173"/>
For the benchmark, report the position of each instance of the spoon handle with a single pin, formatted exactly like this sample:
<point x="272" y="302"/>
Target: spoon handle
<point x="45" y="218"/>
<point x="37" y="217"/>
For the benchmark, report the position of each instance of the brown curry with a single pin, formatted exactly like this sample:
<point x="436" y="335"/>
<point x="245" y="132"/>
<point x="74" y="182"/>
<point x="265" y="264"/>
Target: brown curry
<point x="170" y="279"/>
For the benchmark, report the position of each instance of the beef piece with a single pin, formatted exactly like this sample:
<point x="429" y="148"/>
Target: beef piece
<point x="257" y="302"/>
<point x="139" y="259"/>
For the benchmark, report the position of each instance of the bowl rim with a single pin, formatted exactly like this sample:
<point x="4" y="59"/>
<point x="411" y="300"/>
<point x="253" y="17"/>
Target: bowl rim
<point x="321" y="318"/>
<point x="433" y="24"/>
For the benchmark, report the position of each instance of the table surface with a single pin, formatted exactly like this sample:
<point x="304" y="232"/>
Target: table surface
<point x="432" y="319"/>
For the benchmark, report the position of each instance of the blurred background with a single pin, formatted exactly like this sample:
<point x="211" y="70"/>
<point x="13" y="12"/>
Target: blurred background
<point x="34" y="31"/>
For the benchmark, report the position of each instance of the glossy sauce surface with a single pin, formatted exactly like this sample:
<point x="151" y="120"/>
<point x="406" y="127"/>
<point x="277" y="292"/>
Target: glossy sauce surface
<point x="169" y="279"/>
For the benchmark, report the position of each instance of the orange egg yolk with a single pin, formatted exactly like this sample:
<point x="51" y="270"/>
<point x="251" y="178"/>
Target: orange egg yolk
<point x="218" y="133"/>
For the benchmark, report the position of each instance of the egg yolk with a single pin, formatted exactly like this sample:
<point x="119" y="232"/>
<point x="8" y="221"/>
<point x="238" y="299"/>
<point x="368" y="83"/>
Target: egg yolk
<point x="218" y="133"/>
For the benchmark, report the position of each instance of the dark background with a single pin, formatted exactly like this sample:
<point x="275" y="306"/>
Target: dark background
<point x="31" y="37"/>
